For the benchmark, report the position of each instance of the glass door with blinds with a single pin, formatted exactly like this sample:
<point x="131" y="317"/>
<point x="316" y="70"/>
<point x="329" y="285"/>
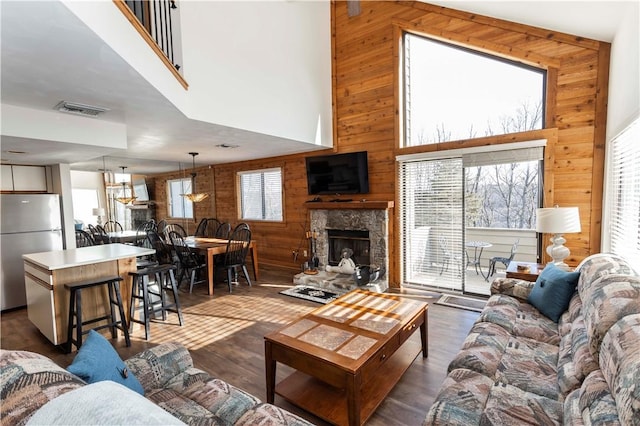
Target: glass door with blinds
<point x="460" y="214"/>
<point x="432" y="223"/>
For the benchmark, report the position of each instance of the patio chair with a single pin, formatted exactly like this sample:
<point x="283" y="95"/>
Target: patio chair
<point x="448" y="256"/>
<point x="504" y="260"/>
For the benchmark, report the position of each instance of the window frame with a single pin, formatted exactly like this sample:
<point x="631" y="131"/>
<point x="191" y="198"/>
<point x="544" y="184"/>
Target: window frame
<point x="403" y="116"/>
<point x="240" y="195"/>
<point x="170" y="197"/>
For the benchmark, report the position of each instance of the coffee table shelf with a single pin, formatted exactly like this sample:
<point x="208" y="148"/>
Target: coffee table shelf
<point x="330" y="403"/>
<point x="348" y="354"/>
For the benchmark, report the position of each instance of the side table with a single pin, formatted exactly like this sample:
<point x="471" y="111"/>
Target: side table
<point x="534" y="270"/>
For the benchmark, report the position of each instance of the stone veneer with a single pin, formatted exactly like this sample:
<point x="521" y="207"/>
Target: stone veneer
<point x="376" y="221"/>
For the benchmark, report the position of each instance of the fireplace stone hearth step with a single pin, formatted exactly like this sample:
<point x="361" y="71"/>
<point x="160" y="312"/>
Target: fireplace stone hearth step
<point x="338" y="283"/>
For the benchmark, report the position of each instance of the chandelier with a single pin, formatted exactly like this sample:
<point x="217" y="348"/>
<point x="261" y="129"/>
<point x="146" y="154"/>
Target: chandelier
<point x="195" y="197"/>
<point x="123" y="198"/>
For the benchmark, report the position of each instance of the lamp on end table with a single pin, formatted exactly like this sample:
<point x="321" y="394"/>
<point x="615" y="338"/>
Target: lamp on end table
<point x="100" y="213"/>
<point x="558" y="220"/>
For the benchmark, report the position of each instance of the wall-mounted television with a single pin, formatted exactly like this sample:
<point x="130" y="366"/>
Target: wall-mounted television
<point x="335" y="174"/>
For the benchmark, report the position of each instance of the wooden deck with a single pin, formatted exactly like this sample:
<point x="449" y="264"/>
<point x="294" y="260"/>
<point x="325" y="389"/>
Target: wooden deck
<point x="225" y="335"/>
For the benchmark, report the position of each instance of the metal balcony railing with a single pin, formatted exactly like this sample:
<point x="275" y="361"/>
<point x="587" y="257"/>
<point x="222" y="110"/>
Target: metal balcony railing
<point x="156" y="17"/>
<point x="158" y="23"/>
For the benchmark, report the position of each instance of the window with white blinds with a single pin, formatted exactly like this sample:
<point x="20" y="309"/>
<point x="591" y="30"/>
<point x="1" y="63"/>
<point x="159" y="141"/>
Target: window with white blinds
<point x="622" y="206"/>
<point x="261" y="195"/>
<point x="431" y="221"/>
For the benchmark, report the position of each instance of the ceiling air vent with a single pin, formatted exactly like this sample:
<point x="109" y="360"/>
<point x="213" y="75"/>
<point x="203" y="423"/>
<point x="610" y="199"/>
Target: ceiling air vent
<point x="80" y="109"/>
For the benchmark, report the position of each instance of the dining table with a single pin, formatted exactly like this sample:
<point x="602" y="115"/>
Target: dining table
<point x="127" y="236"/>
<point x="213" y="246"/>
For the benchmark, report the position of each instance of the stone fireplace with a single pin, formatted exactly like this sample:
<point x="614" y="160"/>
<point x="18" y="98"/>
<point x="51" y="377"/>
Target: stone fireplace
<point x="354" y="219"/>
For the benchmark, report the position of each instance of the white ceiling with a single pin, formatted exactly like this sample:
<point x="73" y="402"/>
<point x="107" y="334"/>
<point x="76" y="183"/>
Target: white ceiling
<point x="48" y="55"/>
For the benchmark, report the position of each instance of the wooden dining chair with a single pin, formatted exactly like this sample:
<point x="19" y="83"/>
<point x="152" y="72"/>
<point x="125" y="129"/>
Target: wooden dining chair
<point x="223" y="231"/>
<point x="113" y="226"/>
<point x="84" y="239"/>
<point x="212" y="227"/>
<point x="190" y="264"/>
<point x="235" y="257"/>
<point x="173" y="227"/>
<point x="98" y="234"/>
<point x="201" y="229"/>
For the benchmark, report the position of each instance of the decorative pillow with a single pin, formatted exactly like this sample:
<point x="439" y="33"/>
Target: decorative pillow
<point x="102" y="403"/>
<point x="97" y="360"/>
<point x="553" y="290"/>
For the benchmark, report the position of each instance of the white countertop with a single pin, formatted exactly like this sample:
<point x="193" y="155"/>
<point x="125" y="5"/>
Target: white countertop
<point x="60" y="259"/>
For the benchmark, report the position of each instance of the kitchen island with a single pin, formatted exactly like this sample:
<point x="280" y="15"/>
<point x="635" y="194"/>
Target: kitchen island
<point x="46" y="273"/>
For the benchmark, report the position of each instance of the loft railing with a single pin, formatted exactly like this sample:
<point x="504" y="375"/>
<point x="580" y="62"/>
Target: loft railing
<point x="153" y="19"/>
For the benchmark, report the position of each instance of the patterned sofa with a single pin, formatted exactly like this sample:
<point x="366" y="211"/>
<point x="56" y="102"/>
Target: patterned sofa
<point x="517" y="366"/>
<point x="35" y="390"/>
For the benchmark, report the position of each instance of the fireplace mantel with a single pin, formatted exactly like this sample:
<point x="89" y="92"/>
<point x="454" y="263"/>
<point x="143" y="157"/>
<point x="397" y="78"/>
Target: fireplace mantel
<point x="350" y="205"/>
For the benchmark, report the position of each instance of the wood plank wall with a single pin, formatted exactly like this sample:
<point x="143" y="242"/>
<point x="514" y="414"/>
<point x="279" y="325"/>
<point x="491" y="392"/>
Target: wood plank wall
<point x="366" y="117"/>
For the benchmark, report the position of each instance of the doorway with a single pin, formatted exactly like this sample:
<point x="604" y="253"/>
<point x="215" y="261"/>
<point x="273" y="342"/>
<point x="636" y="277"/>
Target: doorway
<point x="458" y="213"/>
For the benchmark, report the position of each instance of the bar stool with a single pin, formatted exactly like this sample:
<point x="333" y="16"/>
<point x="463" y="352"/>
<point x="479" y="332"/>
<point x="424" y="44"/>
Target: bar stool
<point x="142" y="291"/>
<point x="75" y="311"/>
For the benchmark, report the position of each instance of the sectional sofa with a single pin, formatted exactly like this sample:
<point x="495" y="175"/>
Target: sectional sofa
<point x="35" y="390"/>
<point x="580" y="365"/>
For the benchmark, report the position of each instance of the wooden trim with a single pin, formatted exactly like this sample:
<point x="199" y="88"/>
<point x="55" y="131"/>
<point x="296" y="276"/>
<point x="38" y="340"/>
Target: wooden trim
<point x="505" y="25"/>
<point x="351" y="205"/>
<point x="334" y="77"/>
<point x="488" y="140"/>
<point x="494" y="49"/>
<point x="120" y="4"/>
<point x="551" y="100"/>
<point x="599" y="145"/>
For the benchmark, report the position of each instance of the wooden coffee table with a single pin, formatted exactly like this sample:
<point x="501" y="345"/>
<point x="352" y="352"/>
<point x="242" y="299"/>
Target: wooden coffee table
<point x="348" y="354"/>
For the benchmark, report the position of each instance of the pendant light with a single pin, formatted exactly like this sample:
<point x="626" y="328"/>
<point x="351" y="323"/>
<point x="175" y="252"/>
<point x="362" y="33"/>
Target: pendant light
<point x="123" y="198"/>
<point x="195" y="197"/>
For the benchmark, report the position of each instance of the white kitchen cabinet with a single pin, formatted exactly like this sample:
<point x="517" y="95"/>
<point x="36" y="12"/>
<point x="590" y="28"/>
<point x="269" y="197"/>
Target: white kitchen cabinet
<point x="24" y="178"/>
<point x="6" y="179"/>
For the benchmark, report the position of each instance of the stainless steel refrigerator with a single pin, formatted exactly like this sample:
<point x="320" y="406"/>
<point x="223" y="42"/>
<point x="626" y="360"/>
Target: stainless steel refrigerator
<point x="29" y="223"/>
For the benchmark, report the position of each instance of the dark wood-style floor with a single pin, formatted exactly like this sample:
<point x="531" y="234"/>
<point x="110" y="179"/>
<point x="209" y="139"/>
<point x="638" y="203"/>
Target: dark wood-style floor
<point x="225" y="337"/>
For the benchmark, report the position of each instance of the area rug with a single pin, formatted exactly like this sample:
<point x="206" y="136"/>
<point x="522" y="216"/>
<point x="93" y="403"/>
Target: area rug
<point x="314" y="294"/>
<point x="460" y="302"/>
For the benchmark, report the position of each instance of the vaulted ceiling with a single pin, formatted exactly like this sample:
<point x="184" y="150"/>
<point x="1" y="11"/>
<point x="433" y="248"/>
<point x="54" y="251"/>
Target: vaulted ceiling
<point x="49" y="55"/>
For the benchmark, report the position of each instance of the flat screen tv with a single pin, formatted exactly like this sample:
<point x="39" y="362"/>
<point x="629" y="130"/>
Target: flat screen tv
<point x="336" y="174"/>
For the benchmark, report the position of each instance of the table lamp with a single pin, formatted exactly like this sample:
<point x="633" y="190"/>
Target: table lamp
<point x="100" y="213"/>
<point x="558" y="220"/>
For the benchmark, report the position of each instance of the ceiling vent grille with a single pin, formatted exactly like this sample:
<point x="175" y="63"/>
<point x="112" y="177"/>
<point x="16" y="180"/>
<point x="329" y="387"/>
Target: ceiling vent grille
<point x="79" y="109"/>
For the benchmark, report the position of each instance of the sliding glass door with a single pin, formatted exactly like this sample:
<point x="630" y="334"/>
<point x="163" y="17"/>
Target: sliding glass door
<point x="457" y="214"/>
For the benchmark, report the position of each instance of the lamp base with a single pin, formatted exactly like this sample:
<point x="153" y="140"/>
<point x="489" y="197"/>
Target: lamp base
<point x="558" y="252"/>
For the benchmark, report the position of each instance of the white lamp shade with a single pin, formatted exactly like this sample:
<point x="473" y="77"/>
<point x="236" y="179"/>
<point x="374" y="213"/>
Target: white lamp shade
<point x="99" y="212"/>
<point x="558" y="220"/>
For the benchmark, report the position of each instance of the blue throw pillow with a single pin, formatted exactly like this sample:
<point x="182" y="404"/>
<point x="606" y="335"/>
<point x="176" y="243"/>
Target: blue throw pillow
<point x="553" y="291"/>
<point x="97" y="360"/>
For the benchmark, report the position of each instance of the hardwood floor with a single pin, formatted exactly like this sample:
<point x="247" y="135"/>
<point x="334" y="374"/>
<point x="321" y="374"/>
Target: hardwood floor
<point x="225" y="337"/>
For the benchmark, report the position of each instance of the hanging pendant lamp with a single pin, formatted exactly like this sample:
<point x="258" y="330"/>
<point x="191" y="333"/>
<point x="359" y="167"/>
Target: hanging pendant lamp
<point x="123" y="198"/>
<point x="195" y="197"/>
